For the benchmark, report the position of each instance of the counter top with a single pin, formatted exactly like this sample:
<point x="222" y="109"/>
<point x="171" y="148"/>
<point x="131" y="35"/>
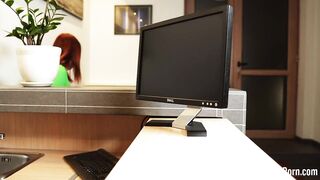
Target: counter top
<point x="50" y="166"/>
<point x="166" y="153"/>
<point x="160" y="153"/>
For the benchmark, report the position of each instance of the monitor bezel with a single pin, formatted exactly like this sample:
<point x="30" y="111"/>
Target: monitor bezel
<point x="228" y="13"/>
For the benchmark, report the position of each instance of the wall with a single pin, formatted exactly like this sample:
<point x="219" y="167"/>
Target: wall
<point x="308" y="110"/>
<point x="107" y="59"/>
<point x="112" y="59"/>
<point x="9" y="74"/>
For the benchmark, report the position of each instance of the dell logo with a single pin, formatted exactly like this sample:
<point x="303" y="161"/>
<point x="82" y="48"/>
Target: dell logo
<point x="170" y="100"/>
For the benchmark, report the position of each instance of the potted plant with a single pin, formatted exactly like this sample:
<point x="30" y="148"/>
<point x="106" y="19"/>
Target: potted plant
<point x="38" y="64"/>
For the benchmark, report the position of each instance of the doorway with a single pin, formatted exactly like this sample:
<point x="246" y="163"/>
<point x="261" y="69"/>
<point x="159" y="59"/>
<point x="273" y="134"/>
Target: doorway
<point x="264" y="61"/>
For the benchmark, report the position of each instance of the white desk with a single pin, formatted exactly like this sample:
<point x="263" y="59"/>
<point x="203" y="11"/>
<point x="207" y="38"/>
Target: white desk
<point x="161" y="153"/>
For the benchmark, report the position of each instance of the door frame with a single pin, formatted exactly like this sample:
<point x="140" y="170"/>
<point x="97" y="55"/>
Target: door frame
<point x="291" y="72"/>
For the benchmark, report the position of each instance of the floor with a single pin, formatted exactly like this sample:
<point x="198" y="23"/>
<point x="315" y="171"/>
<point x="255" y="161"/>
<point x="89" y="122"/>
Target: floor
<point x="293" y="154"/>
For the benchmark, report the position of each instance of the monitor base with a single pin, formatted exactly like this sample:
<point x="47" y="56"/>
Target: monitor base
<point x="193" y="128"/>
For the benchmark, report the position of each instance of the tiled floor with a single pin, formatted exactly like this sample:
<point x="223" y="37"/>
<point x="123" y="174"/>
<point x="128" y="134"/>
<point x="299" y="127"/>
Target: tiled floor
<point x="293" y="154"/>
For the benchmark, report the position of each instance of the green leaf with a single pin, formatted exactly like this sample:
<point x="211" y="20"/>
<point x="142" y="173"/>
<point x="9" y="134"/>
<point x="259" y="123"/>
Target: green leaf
<point x="57" y="19"/>
<point x="36" y="10"/>
<point x="25" y="25"/>
<point x="19" y="10"/>
<point x="54" y="4"/>
<point x="50" y="27"/>
<point x="9" y="35"/>
<point x="9" y="3"/>
<point x="56" y="23"/>
<point x="51" y="11"/>
<point x="31" y="20"/>
<point x="39" y="15"/>
<point x="46" y="20"/>
<point x="14" y="33"/>
<point x="21" y="31"/>
<point x="27" y="1"/>
<point x="35" y="31"/>
<point x="33" y="12"/>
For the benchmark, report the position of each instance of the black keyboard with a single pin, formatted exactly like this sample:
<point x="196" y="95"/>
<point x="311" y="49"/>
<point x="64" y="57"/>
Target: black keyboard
<point x="93" y="165"/>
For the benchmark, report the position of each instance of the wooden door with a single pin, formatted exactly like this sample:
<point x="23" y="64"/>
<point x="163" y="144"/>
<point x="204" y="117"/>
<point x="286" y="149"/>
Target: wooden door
<point x="264" y="62"/>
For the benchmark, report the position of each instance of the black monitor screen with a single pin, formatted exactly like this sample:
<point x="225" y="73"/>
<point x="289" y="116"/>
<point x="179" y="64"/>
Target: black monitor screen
<point x="186" y="60"/>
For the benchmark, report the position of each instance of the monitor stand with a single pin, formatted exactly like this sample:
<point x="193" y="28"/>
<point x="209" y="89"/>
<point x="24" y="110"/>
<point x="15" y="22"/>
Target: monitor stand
<point x="184" y="121"/>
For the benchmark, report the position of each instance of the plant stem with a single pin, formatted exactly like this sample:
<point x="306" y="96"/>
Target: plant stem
<point x="29" y="39"/>
<point x="28" y="13"/>
<point x="45" y="12"/>
<point x="23" y="41"/>
<point x="40" y="37"/>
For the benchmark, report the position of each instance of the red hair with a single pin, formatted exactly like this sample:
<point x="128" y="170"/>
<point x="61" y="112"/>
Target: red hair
<point x="70" y="55"/>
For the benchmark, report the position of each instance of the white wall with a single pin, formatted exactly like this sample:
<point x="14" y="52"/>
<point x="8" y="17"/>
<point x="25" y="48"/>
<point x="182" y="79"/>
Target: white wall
<point x="112" y="59"/>
<point x="107" y="59"/>
<point x="308" y="110"/>
<point x="9" y="74"/>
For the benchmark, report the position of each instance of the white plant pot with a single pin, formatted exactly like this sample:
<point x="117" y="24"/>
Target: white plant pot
<point x="38" y="64"/>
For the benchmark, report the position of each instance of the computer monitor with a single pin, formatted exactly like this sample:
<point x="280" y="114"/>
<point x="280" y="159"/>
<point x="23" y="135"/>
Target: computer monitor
<point x="186" y="60"/>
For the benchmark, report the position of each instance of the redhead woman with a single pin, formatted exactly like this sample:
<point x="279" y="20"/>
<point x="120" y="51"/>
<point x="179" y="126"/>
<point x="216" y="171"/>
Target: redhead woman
<point x="69" y="70"/>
